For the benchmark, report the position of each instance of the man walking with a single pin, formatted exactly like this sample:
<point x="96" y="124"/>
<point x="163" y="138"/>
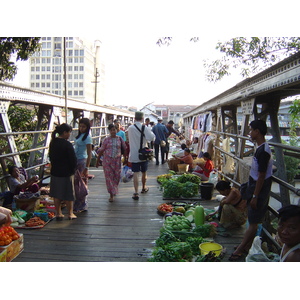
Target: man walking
<point x="134" y="136"/>
<point x="160" y="131"/>
<point x="259" y="186"/>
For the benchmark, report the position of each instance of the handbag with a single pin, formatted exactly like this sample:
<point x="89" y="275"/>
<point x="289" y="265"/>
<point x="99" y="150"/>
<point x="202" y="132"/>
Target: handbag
<point x="145" y="153"/>
<point x="80" y="187"/>
<point x="163" y="143"/>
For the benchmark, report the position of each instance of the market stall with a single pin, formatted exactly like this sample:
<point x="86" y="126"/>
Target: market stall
<point x="188" y="231"/>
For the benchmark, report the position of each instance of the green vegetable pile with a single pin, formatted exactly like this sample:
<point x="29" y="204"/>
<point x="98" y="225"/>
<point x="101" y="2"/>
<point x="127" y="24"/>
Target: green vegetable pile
<point x="178" y="223"/>
<point x="189" y="178"/>
<point x="205" y="230"/>
<point x="169" y="248"/>
<point x="179" y="242"/>
<point x="186" y="186"/>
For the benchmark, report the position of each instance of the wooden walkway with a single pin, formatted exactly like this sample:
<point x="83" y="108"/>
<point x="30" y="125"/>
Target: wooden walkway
<point x="122" y="231"/>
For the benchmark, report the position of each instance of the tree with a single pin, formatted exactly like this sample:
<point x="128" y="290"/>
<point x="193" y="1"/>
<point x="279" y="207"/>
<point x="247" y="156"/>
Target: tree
<point x="23" y="47"/>
<point x="251" y="55"/>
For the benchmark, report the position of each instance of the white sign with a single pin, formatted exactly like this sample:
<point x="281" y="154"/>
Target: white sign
<point x="247" y="107"/>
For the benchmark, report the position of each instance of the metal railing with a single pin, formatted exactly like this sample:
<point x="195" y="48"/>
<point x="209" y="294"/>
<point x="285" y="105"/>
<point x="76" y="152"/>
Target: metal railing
<point x="38" y="166"/>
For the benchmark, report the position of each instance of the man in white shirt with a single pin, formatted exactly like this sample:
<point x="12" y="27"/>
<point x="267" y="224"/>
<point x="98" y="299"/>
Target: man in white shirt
<point x="134" y="136"/>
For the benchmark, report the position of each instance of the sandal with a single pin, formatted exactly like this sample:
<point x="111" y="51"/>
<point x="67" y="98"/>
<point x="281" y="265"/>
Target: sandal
<point x="135" y="196"/>
<point x="145" y="190"/>
<point x="235" y="257"/>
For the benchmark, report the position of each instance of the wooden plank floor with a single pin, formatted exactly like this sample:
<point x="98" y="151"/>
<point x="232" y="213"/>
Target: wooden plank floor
<point x="122" y="231"/>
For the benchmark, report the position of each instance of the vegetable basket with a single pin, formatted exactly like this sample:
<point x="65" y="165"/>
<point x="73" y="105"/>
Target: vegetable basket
<point x="183" y="168"/>
<point x="28" y="204"/>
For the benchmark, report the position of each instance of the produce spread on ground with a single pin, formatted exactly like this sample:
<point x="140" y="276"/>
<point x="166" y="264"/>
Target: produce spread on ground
<point x="185" y="225"/>
<point x="37" y="219"/>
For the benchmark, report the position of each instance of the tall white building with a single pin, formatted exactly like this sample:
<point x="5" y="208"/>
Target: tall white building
<point x="84" y="70"/>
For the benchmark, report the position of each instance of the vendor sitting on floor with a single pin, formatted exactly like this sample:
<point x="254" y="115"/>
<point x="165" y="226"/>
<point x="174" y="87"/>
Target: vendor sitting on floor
<point x="186" y="158"/>
<point x="18" y="183"/>
<point x="203" y="169"/>
<point x="232" y="211"/>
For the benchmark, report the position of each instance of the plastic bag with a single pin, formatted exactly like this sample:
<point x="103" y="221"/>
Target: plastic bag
<point x="213" y="177"/>
<point x="126" y="174"/>
<point x="256" y="254"/>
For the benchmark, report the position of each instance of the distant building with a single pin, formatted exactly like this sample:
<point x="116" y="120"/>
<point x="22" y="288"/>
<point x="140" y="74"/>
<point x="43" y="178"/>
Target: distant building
<point x="167" y="112"/>
<point x="84" y="70"/>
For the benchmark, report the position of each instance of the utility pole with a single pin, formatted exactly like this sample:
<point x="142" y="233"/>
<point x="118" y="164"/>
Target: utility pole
<point x="65" y="81"/>
<point x="96" y="76"/>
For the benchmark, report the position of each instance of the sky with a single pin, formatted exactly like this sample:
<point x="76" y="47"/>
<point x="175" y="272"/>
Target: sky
<point x="138" y="71"/>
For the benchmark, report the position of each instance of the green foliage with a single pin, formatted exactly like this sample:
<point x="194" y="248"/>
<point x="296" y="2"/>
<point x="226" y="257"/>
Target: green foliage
<point x="23" y="47"/>
<point x="21" y="119"/>
<point x="251" y="55"/>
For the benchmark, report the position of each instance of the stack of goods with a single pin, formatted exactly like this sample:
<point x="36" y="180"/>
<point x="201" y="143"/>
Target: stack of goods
<point x="184" y="235"/>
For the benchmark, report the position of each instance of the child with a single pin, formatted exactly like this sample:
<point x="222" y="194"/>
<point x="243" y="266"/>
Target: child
<point x="289" y="233"/>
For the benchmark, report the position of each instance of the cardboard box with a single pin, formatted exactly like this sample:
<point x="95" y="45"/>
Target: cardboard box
<point x="31" y="204"/>
<point x="3" y="255"/>
<point x="11" y="251"/>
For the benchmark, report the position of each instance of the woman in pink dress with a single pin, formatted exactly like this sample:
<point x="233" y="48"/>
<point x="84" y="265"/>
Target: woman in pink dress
<point x="111" y="150"/>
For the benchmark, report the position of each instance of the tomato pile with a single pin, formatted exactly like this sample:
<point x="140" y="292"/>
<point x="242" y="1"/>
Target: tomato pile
<point x="165" y="207"/>
<point x="7" y="235"/>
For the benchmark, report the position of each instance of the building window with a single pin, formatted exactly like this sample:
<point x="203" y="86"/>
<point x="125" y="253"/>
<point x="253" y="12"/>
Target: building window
<point x="69" y="93"/>
<point x="70" y="68"/>
<point x="57" y="61"/>
<point x="37" y="77"/>
<point x="32" y="85"/>
<point x="80" y="84"/>
<point x="37" y="84"/>
<point x="75" y="93"/>
<point x="75" y="76"/>
<point x="43" y="85"/>
<point x="70" y="52"/>
<point x="76" y="68"/>
<point x="80" y="93"/>
<point x="80" y="76"/>
<point x="70" y="76"/>
<point x="81" y="68"/>
<point x="81" y="52"/>
<point x="57" y="46"/>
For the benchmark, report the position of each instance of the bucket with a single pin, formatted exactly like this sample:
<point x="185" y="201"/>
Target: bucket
<point x="183" y="168"/>
<point x="207" y="247"/>
<point x="206" y="190"/>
